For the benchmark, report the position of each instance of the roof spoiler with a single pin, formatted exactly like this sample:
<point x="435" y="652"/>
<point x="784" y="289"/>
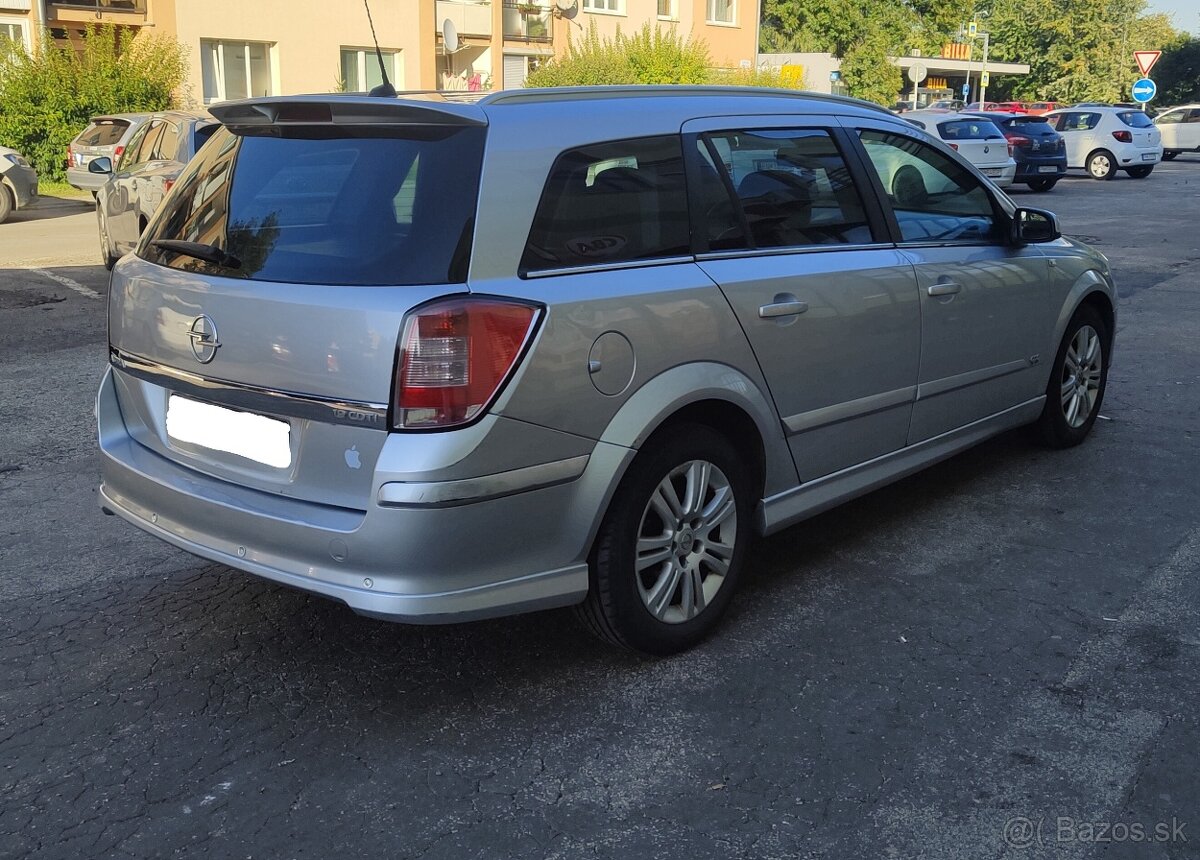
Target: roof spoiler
<point x="346" y="110"/>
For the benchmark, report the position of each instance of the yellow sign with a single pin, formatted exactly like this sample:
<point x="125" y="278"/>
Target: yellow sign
<point x="973" y="29"/>
<point x="985" y="79"/>
<point x="792" y="76"/>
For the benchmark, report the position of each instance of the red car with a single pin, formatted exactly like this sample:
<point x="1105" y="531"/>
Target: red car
<point x="996" y="107"/>
<point x="1039" y="108"/>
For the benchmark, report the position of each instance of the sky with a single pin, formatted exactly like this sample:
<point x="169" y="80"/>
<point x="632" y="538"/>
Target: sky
<point x="1186" y="13"/>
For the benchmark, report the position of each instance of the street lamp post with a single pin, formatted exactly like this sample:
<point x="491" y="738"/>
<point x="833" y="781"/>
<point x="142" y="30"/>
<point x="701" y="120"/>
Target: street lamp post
<point x="983" y="75"/>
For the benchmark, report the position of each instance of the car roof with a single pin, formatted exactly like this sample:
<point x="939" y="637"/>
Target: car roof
<point x="181" y="114"/>
<point x="127" y="117"/>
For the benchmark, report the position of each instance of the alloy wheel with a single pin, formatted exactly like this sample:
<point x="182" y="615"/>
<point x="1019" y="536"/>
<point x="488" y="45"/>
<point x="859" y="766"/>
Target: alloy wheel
<point x="686" y="541"/>
<point x="1082" y="370"/>
<point x="1100" y="166"/>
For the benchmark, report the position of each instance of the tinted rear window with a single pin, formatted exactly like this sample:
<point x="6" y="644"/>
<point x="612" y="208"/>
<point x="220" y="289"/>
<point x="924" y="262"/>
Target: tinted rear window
<point x="1135" y="119"/>
<point x="103" y="133"/>
<point x="969" y="129"/>
<point x="321" y="205"/>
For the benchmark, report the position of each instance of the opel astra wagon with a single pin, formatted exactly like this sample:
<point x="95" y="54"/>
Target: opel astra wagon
<point x="442" y="360"/>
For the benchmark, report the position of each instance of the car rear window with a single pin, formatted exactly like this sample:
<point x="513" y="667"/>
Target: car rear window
<point x="105" y="132"/>
<point x="322" y="205"/>
<point x="969" y="129"/>
<point x="1035" y="124"/>
<point x="1135" y="119"/>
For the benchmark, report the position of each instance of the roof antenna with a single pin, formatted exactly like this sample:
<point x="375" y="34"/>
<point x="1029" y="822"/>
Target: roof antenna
<point x="384" y="90"/>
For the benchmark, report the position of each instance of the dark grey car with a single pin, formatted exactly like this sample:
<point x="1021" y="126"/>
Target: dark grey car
<point x="443" y="361"/>
<point x="135" y="184"/>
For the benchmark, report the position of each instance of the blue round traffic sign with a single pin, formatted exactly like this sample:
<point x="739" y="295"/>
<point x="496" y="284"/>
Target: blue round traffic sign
<point x="1144" y="90"/>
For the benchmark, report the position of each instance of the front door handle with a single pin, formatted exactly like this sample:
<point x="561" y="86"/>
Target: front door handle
<point x="782" y="309"/>
<point x="946" y="289"/>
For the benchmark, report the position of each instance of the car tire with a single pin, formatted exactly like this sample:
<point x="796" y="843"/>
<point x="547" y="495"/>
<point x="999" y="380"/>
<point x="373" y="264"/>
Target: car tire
<point x="1140" y="172"/>
<point x="1042" y="184"/>
<point x="1170" y="154"/>
<point x="6" y="204"/>
<point x="655" y="583"/>
<point x="1078" y="379"/>
<point x="1101" y="164"/>
<point x="106" y="256"/>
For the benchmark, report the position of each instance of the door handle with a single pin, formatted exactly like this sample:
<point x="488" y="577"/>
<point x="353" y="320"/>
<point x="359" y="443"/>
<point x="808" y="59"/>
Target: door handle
<point x="947" y="289"/>
<point x="782" y="309"/>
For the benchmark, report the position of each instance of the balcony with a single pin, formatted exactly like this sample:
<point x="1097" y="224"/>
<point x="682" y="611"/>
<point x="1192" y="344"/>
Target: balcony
<point x="135" y="6"/>
<point x="469" y="17"/>
<point x="527" y="22"/>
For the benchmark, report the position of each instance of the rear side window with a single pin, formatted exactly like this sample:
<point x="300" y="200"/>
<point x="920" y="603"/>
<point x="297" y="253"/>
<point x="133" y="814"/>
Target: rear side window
<point x="321" y="205"/>
<point x="611" y="203"/>
<point x="106" y="132"/>
<point x="790" y="188"/>
<point x="1135" y="119"/>
<point x="969" y="129"/>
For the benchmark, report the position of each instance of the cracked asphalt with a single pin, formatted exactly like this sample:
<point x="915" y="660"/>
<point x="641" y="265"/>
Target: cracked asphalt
<point x="952" y="667"/>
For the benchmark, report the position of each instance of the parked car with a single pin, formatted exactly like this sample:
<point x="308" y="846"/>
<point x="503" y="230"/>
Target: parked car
<point x="18" y="182"/>
<point x="1039" y="150"/>
<point x="1041" y="108"/>
<point x="1103" y="140"/>
<point x="596" y="343"/>
<point x="1180" y="129"/>
<point x="975" y="138"/>
<point x="135" y="186"/>
<point x="104" y="136"/>
<point x="975" y="107"/>
<point x="947" y="104"/>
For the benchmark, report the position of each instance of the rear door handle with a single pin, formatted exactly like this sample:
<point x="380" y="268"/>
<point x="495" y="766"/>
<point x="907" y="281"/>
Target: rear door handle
<point x="782" y="309"/>
<point x="946" y="289"/>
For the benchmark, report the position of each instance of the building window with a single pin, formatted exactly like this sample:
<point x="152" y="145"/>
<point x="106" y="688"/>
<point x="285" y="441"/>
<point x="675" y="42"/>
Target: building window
<point x="235" y="70"/>
<point x="13" y="29"/>
<point x="722" y="11"/>
<point x="360" y="69"/>
<point x="614" y="7"/>
<point x="667" y="9"/>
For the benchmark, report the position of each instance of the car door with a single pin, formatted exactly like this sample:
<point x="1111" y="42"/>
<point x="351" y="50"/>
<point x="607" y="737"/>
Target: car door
<point x="1169" y="125"/>
<point x="160" y="170"/>
<point x="123" y="206"/>
<point x="985" y="306"/>
<point x="1078" y="131"/>
<point x="1189" y="130"/>
<point x="828" y="304"/>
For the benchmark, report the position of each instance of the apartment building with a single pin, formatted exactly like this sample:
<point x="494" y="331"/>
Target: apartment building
<point x="240" y="48"/>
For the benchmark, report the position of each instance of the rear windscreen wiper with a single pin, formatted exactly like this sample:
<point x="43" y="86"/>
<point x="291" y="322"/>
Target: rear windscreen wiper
<point x="199" y="250"/>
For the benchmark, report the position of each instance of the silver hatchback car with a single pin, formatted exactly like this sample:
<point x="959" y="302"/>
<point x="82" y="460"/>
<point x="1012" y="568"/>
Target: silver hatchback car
<point x="442" y="360"/>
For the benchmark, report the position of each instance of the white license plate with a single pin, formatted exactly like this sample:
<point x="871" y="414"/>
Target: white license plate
<point x="255" y="437"/>
<point x="1049" y="168"/>
<point x="1149" y="156"/>
<point x="991" y="171"/>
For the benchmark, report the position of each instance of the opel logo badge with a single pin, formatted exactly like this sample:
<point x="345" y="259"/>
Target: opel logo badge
<point x="203" y="334"/>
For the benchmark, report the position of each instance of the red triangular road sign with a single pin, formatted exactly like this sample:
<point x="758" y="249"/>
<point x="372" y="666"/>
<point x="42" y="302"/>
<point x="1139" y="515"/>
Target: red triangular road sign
<point x="1146" y="60"/>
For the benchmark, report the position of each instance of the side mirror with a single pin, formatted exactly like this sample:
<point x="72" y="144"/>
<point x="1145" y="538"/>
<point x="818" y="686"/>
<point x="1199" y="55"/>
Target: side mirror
<point x="103" y="164"/>
<point x="1030" y="226"/>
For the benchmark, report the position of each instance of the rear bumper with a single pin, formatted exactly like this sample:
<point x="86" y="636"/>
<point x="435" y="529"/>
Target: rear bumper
<point x="454" y="559"/>
<point x="79" y="177"/>
<point x="1039" y="168"/>
<point x="1002" y="175"/>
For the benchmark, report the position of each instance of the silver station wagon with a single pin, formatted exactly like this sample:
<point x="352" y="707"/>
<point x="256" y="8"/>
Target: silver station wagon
<point x="442" y="360"/>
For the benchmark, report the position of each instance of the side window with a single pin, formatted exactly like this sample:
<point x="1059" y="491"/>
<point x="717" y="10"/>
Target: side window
<point x="791" y="189"/>
<point x="1193" y="115"/>
<point x="1090" y="120"/>
<point x="935" y="199"/>
<point x="167" y="148"/>
<point x="144" y="151"/>
<point x="132" y="148"/>
<point x="1170" y="118"/>
<point x="611" y="203"/>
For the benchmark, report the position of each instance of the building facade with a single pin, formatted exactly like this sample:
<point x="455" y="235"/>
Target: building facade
<point x="241" y="48"/>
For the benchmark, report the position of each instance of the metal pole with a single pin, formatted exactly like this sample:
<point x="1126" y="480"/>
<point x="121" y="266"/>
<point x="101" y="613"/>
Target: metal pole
<point x="982" y="85"/>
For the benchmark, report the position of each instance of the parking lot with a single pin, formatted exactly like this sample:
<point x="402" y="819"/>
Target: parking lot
<point x="994" y="658"/>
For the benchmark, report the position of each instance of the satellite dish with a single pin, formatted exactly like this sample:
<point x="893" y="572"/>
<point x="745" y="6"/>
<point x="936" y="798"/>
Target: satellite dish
<point x="449" y="36"/>
<point x="565" y="5"/>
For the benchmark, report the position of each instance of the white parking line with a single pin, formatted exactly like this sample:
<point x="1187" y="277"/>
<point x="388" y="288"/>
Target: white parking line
<point x="68" y="283"/>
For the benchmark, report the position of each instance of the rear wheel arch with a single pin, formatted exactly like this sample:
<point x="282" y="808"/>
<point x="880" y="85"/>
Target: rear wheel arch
<point x="730" y="421"/>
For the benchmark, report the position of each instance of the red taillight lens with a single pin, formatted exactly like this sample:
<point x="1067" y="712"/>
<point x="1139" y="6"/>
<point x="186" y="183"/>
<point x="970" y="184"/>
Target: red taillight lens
<point x="118" y="152"/>
<point x="455" y="356"/>
<point x="168" y="184"/>
<point x="1017" y="140"/>
<point x="1123" y="136"/>
<point x="954" y="146"/>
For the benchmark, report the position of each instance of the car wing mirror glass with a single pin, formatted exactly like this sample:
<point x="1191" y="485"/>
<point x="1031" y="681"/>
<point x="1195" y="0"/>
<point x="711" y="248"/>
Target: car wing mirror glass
<point x="1030" y="226"/>
<point x="103" y="164"/>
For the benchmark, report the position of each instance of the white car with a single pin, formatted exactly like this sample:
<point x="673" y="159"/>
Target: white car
<point x="1180" y="129"/>
<point x="976" y="139"/>
<point x="1103" y="140"/>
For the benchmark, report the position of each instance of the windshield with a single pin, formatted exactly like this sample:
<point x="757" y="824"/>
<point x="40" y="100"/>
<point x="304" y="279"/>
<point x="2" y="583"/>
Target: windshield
<point x="321" y="205"/>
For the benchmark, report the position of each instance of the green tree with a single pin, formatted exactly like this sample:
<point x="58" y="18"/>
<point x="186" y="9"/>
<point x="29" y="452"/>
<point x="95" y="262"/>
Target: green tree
<point x="48" y="96"/>
<point x="1178" y="72"/>
<point x="868" y="70"/>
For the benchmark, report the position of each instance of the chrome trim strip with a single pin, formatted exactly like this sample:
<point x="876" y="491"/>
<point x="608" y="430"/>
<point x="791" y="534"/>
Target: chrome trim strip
<point x="441" y="494"/>
<point x="605" y="267"/>
<point x="851" y="409"/>
<point x="791" y="250"/>
<point x="971" y="377"/>
<point x="253" y="398"/>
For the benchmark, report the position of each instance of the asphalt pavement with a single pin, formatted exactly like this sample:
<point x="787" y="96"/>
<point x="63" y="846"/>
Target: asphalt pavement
<point x="994" y="658"/>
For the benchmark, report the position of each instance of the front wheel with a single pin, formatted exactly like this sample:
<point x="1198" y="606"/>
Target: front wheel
<point x="1140" y="172"/>
<point x="1170" y="154"/>
<point x="1042" y="184"/>
<point x="6" y="204"/>
<point x="667" y="557"/>
<point x="1102" y="165"/>
<point x="1077" y="381"/>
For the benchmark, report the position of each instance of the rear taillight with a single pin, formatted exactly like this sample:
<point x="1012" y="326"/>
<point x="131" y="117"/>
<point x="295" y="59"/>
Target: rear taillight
<point x="1017" y="140"/>
<point x="118" y="151"/>
<point x="954" y="146"/>
<point x="168" y="184"/>
<point x="1123" y="136"/>
<point x="455" y="356"/>
<point x="70" y="157"/>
